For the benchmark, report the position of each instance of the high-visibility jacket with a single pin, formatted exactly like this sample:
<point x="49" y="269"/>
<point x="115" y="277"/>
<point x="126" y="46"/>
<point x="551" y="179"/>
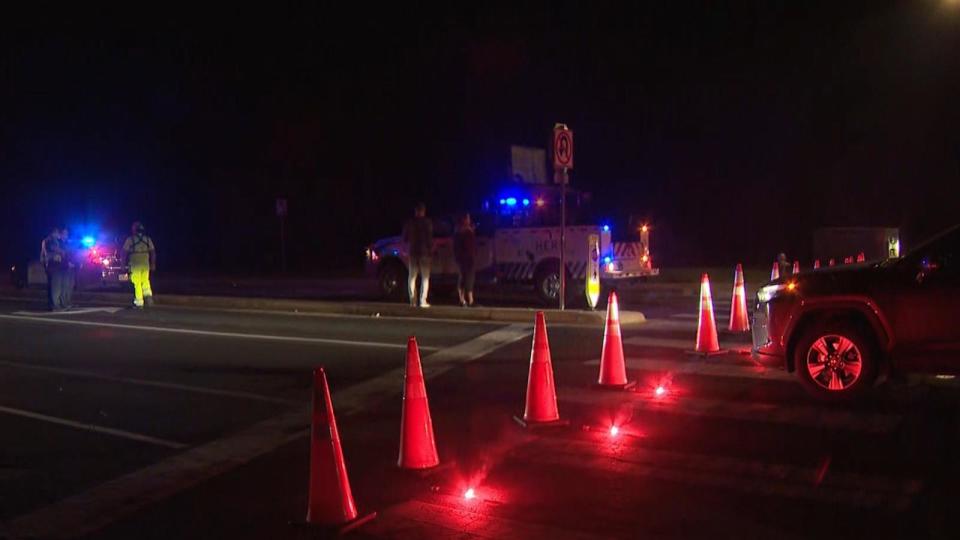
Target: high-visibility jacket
<point x="138" y="250"/>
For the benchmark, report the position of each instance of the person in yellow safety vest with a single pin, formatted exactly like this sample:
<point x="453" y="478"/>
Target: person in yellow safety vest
<point x="139" y="253"/>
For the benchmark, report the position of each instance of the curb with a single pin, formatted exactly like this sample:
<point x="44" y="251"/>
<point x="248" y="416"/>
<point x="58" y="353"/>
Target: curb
<point x="365" y="309"/>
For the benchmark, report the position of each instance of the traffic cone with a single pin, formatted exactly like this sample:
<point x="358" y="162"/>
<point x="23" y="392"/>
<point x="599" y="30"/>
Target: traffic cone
<point x="847" y="260"/>
<point x="832" y="262"/>
<point x="613" y="369"/>
<point x="541" y="406"/>
<point x="418" y="450"/>
<point x="796" y="267"/>
<point x="774" y="272"/>
<point x="738" y="306"/>
<point x="816" y="264"/>
<point x="707" y="342"/>
<point x="330" y="502"/>
<point x="861" y="257"/>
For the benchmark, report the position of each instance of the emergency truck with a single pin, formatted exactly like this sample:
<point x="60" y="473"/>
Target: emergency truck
<point x="518" y="243"/>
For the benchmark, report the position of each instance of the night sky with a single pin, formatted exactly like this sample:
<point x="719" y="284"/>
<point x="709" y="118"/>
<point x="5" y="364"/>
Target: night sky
<point x="737" y="127"/>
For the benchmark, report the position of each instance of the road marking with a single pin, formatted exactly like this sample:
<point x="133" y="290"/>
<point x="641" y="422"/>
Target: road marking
<point x="71" y="311"/>
<point x="746" y="411"/>
<point x="93" y="427"/>
<point x="723" y="472"/>
<point x="425" y="517"/>
<point x="211" y="333"/>
<point x="148" y="383"/>
<point x="101" y="505"/>
<point x="709" y="367"/>
<point x="317" y="314"/>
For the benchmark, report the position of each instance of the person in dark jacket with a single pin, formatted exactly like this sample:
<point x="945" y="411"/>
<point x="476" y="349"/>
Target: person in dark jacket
<point x="418" y="236"/>
<point x="53" y="259"/>
<point x="465" y="253"/>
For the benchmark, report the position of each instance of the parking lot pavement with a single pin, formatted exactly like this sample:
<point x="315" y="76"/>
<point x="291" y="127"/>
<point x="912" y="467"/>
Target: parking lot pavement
<point x="731" y="450"/>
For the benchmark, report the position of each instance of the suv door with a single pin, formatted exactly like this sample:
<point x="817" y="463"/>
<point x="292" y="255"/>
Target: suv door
<point x="926" y="329"/>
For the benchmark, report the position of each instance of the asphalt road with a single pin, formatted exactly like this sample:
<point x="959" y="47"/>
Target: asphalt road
<point x="177" y="423"/>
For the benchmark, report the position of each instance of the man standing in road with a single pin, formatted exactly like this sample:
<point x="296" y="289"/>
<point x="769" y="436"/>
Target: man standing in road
<point x="53" y="259"/>
<point x="418" y="236"/>
<point x="69" y="269"/>
<point x="139" y="253"/>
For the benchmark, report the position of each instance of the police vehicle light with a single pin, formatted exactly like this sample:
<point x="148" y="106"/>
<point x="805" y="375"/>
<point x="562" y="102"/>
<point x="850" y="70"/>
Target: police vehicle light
<point x="88" y="241"/>
<point x="511" y="201"/>
<point x="644" y="228"/>
<point x="540" y="202"/>
<point x="526" y="202"/>
<point x="611" y="267"/>
<point x="606" y="228"/>
<point x="607" y="259"/>
<point x="503" y="201"/>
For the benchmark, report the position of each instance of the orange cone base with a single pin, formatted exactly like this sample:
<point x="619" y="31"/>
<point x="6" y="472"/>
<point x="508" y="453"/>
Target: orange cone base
<point x="337" y="530"/>
<point x="710" y="353"/>
<point x="563" y="422"/>
<point x="630" y="385"/>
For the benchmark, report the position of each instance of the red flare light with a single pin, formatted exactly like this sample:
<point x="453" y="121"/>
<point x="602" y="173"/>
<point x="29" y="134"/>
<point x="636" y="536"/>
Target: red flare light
<point x="469" y="494"/>
<point x="614" y="431"/>
<point x="660" y="391"/>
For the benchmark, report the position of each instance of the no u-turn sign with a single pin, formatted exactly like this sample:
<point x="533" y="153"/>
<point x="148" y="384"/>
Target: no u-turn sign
<point x="562" y="147"/>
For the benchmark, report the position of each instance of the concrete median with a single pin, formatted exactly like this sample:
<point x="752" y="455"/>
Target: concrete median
<point x="355" y="308"/>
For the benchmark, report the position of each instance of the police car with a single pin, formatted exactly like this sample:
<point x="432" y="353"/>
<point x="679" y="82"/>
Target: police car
<point x="98" y="266"/>
<point x="518" y="243"/>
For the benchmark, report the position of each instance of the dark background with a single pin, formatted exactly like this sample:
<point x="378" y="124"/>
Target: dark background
<point x="735" y="127"/>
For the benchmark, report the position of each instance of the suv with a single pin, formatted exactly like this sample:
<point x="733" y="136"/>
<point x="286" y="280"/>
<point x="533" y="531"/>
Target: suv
<point x="839" y="328"/>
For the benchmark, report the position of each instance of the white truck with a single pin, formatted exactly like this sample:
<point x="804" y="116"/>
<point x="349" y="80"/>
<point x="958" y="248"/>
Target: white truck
<point x="518" y="243"/>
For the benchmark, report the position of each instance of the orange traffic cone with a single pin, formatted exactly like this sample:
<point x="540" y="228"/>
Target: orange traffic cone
<point x="774" y="272"/>
<point x="796" y="267"/>
<point x="738" y="306"/>
<point x="613" y="369"/>
<point x="707" y="342"/>
<point x="832" y="262"/>
<point x="861" y="257"/>
<point x="816" y="264"/>
<point x="330" y="502"/>
<point x="848" y="260"/>
<point x="541" y="407"/>
<point x="418" y="450"/>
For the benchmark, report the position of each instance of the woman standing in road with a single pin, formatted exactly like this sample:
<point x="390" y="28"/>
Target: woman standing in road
<point x="464" y="251"/>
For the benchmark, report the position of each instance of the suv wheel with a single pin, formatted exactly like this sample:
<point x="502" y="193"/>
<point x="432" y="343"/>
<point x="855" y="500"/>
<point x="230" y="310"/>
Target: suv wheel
<point x="835" y="361"/>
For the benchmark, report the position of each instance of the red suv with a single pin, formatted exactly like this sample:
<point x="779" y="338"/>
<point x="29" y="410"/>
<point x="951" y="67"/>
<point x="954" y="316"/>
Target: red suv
<point x="839" y="328"/>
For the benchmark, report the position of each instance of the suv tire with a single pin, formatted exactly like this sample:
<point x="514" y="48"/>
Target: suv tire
<point x="835" y="360"/>
<point x="392" y="280"/>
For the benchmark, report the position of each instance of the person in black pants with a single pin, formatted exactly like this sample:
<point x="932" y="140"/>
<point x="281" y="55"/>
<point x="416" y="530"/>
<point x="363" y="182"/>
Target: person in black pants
<point x="464" y="251"/>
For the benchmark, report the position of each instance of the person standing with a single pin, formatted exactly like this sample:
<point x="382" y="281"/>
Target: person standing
<point x="418" y="236"/>
<point x="783" y="265"/>
<point x="140" y="254"/>
<point x="464" y="252"/>
<point x="52" y="258"/>
<point x="70" y="264"/>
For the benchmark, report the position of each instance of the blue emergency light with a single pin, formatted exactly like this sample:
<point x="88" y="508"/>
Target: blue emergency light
<point x="88" y="241"/>
<point x="606" y="228"/>
<point x="607" y="260"/>
<point x="511" y="201"/>
<point x="526" y="202"/>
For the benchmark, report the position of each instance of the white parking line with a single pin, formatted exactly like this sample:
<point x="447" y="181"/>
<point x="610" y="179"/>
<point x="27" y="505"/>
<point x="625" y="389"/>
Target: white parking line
<point x="93" y="427"/>
<point x="101" y="505"/>
<point x="71" y="311"/>
<point x="152" y="384"/>
<point x="211" y="333"/>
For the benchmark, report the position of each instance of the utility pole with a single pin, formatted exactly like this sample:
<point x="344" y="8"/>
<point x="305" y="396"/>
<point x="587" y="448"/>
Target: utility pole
<point x="562" y="163"/>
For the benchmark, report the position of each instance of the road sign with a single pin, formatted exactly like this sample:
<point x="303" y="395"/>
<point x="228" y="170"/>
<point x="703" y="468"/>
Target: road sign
<point x="562" y="147"/>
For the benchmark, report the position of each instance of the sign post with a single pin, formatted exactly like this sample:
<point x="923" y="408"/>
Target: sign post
<point x="282" y="214"/>
<point x="562" y="163"/>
